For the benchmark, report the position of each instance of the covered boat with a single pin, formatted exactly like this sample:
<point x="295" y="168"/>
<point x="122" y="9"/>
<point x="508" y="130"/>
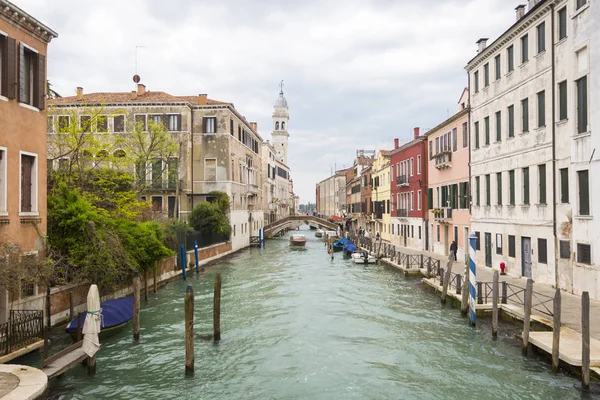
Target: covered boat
<point x="115" y="314"/>
<point x="349" y="248"/>
<point x="339" y="245"/>
<point x="297" y="240"/>
<point x="363" y="257"/>
<point x="319" y="233"/>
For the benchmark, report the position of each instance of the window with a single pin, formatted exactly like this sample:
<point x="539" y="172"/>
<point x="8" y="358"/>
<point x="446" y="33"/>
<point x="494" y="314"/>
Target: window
<point x="418" y="165"/>
<point x="209" y="124"/>
<point x="488" y="192"/>
<point x="419" y="204"/>
<point x="584" y="192"/>
<point x="419" y="232"/>
<point x="499" y="243"/>
<point x="102" y="123"/>
<point x="581" y="3"/>
<point x="526" y="186"/>
<point x="486" y="75"/>
<point x="3" y="187"/>
<point x="582" y="113"/>
<point x="430" y="198"/>
<point x="28" y="182"/>
<point x="454" y="139"/>
<point x="525" y="115"/>
<point x="541" y="37"/>
<point x="157" y="170"/>
<point x="486" y="124"/>
<point x="84" y="123"/>
<point x="140" y="171"/>
<point x="562" y="101"/>
<point x="477" y="191"/>
<point x="210" y="169"/>
<point x="524" y="49"/>
<point x="565" y="249"/>
<point x="141" y="122"/>
<point x="412" y="161"/>
<point x="438" y="233"/>
<point x="498" y="126"/>
<point x="174" y="122"/>
<point x="464" y="194"/>
<point x="3" y="69"/>
<point x="510" y="56"/>
<point x="497" y="65"/>
<point x="465" y="132"/>
<point x="541" y="98"/>
<point x="564" y="185"/>
<point x="562" y="23"/>
<point x="476" y="81"/>
<point x="32" y="79"/>
<point x="437" y="145"/>
<point x="171" y="202"/>
<point x="477" y="134"/>
<point x="584" y="253"/>
<point x="542" y="251"/>
<point x="412" y="231"/>
<point x="499" y="188"/>
<point x="511" y="121"/>
<point x="477" y="241"/>
<point x="542" y="183"/>
<point x="157" y="203"/>
<point x="173" y="172"/>
<point x="119" y="123"/>
<point x="63" y="123"/>
<point x="431" y="149"/>
<point x="511" y="246"/>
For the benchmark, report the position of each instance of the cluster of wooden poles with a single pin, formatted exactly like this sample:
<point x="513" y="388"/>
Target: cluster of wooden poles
<point x="528" y="302"/>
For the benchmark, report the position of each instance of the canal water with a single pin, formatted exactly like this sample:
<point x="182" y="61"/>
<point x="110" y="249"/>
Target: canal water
<point x="298" y="325"/>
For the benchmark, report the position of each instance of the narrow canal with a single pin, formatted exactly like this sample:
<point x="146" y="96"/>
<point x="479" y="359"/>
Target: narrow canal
<point x="296" y="325"/>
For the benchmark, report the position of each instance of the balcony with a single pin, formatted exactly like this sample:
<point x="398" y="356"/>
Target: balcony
<point x="443" y="159"/>
<point x="442" y="215"/>
<point x="252" y="189"/>
<point x="402" y="213"/>
<point x="402" y="180"/>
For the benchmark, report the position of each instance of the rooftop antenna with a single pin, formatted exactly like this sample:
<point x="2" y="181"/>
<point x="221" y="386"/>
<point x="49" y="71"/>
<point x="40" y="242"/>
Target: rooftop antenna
<point x="281" y="87"/>
<point x="136" y="77"/>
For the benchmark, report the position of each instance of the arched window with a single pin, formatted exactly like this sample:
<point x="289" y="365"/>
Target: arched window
<point x="277" y="125"/>
<point x="119" y="153"/>
<point x="102" y="154"/>
<point x="283" y="126"/>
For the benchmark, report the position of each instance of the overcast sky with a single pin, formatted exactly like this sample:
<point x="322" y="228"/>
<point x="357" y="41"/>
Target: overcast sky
<point x="357" y="74"/>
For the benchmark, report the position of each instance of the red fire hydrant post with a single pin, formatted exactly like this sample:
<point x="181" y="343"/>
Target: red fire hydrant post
<point x="502" y="268"/>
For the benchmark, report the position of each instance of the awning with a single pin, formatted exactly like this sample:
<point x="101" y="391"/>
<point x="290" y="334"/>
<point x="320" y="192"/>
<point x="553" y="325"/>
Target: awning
<point x="336" y="218"/>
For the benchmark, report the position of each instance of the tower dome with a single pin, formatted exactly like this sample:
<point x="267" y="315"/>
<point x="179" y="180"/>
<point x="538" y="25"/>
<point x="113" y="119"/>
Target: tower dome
<point x="281" y="101"/>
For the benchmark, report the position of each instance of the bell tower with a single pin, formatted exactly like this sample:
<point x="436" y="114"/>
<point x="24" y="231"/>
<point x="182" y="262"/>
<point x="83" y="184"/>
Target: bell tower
<point x="280" y="135"/>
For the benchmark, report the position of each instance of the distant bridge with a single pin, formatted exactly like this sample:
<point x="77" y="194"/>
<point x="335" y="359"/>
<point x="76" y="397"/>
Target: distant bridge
<point x="294" y="221"/>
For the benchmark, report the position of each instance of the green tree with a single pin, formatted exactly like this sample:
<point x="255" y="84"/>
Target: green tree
<point x="208" y="218"/>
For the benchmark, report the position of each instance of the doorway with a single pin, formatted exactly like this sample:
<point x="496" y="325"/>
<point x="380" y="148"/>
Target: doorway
<point x="526" y="257"/>
<point x="488" y="249"/>
<point x="426" y="236"/>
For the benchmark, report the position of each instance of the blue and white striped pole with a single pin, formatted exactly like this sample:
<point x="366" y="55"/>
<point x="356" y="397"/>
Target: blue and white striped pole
<point x="196" y="255"/>
<point x="472" y="277"/>
<point x="261" y="237"/>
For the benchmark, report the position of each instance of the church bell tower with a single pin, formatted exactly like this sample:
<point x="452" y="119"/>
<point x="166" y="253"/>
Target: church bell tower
<point x="280" y="135"/>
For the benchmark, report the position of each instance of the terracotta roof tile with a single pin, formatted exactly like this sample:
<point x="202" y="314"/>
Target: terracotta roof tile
<point x="126" y="97"/>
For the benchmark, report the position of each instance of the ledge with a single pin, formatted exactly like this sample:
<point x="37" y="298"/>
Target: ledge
<point x="4" y="221"/>
<point x="31" y="220"/>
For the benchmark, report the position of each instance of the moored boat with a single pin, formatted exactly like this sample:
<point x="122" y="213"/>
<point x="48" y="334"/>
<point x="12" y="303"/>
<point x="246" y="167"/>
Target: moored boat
<point x="349" y="248"/>
<point x="319" y="233"/>
<point x="297" y="240"/>
<point x="363" y="257"/>
<point x="115" y="315"/>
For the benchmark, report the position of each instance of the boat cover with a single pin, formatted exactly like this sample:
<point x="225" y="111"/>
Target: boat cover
<point x="114" y="312"/>
<point x="341" y="243"/>
<point x="350" y="247"/>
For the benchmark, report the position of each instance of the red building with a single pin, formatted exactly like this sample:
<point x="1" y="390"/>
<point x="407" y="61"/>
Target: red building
<point x="408" y="165"/>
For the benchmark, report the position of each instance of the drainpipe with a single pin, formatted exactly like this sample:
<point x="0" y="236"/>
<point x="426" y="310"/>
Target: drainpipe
<point x="192" y="140"/>
<point x="470" y="178"/>
<point x="554" y="200"/>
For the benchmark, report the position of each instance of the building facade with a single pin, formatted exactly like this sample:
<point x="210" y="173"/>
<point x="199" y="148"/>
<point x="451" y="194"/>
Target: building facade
<point x="380" y="195"/>
<point x="448" y="182"/>
<point x="23" y="50"/>
<point x="409" y="193"/>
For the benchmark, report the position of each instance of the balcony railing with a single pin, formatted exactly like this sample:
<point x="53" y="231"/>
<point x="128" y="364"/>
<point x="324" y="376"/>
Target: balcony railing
<point x="443" y="160"/>
<point x="402" y="180"/>
<point x="252" y="189"/>
<point x="402" y="213"/>
<point x="443" y="214"/>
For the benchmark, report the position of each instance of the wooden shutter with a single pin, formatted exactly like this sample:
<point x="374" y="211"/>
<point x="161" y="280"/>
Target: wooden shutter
<point x="204" y="124"/>
<point x="26" y="164"/>
<point x="40" y="84"/>
<point x="178" y="122"/>
<point x="10" y="66"/>
<point x="21" y="73"/>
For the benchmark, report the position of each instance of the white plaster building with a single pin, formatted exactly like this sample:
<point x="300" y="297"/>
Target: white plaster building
<point x="531" y="146"/>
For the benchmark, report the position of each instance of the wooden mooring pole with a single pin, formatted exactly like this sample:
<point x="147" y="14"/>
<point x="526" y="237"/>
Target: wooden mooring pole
<point x="527" y="316"/>
<point x="70" y="305"/>
<point x="136" y="305"/>
<point x="556" y="331"/>
<point x="189" y="330"/>
<point x="446" y="278"/>
<point x="155" y="280"/>
<point x="495" y="297"/>
<point x="145" y="285"/>
<point x="585" y="340"/>
<point x="217" y="308"/>
<point x="464" y="303"/>
<point x="91" y="365"/>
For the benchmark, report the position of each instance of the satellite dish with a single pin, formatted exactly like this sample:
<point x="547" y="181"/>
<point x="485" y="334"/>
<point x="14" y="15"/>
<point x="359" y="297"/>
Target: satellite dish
<point x="136" y="78"/>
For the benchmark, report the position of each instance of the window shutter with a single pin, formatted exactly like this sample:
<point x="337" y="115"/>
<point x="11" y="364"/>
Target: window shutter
<point x="10" y="64"/>
<point x="21" y="72"/>
<point x="26" y="183"/>
<point x="178" y="122"/>
<point x="204" y="124"/>
<point x="40" y="95"/>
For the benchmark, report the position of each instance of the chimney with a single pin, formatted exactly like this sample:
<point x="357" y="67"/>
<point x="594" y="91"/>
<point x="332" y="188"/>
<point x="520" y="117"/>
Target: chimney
<point x="141" y="90"/>
<point x="79" y="93"/>
<point x="520" y="10"/>
<point x="417" y="129"/>
<point x="254" y="126"/>
<point x="202" y="98"/>
<point x="481" y="43"/>
<point x="396" y="143"/>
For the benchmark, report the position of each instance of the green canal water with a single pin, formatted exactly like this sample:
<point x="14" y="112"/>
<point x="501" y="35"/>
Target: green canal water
<point x="297" y="325"/>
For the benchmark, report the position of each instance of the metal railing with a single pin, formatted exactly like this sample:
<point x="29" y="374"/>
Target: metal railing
<point x="23" y="328"/>
<point x="402" y="180"/>
<point x="402" y="213"/>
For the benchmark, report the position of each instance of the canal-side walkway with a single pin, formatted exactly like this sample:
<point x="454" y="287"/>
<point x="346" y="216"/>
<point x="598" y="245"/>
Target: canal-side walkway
<point x="21" y="382"/>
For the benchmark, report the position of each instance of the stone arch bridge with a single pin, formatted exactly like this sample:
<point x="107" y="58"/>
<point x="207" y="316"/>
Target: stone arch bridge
<point x="294" y="221"/>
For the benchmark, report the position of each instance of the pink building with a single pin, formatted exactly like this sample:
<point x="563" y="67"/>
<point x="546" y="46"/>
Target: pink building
<point x="448" y="185"/>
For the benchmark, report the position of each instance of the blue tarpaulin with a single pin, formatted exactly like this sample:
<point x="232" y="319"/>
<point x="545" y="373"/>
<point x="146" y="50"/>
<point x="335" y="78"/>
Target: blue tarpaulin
<point x="114" y="312"/>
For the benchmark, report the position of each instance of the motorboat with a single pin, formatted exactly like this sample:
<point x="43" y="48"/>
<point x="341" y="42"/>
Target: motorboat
<point x="349" y="248"/>
<point x="297" y="240"/>
<point x="319" y="233"/>
<point x="363" y="257"/>
<point x="115" y="315"/>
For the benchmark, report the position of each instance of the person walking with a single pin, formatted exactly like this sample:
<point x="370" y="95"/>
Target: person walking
<point x="454" y="249"/>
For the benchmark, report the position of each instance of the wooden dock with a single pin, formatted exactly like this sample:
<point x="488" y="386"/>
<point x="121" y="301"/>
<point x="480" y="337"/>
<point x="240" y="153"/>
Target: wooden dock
<point x="570" y="346"/>
<point x="64" y="360"/>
